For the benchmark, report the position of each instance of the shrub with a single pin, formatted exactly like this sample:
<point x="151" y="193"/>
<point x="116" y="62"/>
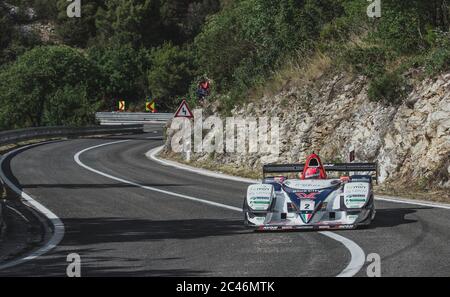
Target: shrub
<point x="438" y="58"/>
<point x="389" y="88"/>
<point x="369" y="61"/>
<point x="70" y="106"/>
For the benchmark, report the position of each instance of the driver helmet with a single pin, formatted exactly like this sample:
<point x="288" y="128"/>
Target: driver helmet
<point x="312" y="173"/>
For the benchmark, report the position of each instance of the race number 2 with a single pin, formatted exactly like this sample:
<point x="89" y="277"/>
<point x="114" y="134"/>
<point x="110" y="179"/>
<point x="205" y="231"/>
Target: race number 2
<point x="307" y="204"/>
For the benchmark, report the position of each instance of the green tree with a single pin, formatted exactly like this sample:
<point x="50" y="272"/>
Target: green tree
<point x="70" y="106"/>
<point x="5" y="31"/>
<point x="135" y="22"/>
<point x="124" y="69"/>
<point x="28" y="86"/>
<point x="170" y="74"/>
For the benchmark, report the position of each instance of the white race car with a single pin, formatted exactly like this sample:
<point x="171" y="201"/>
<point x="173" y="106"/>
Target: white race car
<point x="311" y="201"/>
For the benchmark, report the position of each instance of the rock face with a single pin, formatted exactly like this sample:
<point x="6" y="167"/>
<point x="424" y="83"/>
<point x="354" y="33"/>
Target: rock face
<point x="334" y="116"/>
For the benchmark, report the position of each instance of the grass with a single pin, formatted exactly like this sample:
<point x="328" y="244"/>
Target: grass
<point x="211" y="165"/>
<point x="298" y="71"/>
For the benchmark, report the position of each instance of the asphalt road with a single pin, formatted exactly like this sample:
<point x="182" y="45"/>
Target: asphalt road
<point x="123" y="230"/>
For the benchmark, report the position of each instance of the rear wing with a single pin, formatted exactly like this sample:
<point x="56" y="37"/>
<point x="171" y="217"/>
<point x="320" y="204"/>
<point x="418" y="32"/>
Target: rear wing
<point x="338" y="167"/>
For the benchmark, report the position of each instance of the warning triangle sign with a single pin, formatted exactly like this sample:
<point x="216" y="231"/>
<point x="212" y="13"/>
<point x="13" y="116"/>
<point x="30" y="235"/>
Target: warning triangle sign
<point x="183" y="111"/>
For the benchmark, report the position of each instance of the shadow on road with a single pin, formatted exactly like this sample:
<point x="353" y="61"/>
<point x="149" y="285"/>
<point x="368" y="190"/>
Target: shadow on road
<point x="97" y="262"/>
<point x="87" y="236"/>
<point x="391" y="217"/>
<point x="108" y="230"/>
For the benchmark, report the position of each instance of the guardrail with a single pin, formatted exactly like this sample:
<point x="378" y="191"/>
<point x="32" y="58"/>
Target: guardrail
<point x="127" y="118"/>
<point x="14" y="136"/>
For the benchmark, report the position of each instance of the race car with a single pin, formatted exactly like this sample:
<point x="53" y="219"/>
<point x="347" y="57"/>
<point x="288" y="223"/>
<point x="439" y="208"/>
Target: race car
<point x="312" y="200"/>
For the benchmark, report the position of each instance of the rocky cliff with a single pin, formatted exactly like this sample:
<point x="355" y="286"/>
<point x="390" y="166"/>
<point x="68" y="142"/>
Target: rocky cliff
<point x="333" y="116"/>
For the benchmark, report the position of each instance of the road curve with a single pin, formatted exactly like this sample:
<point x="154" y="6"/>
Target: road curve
<point x="120" y="229"/>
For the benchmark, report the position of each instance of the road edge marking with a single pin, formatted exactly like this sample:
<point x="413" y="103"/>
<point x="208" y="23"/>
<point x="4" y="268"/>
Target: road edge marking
<point x="412" y="202"/>
<point x="151" y="154"/>
<point x="357" y="255"/>
<point x="58" y="226"/>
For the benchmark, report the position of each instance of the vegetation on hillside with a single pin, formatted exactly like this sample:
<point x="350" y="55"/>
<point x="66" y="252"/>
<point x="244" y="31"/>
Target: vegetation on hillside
<point x="137" y="49"/>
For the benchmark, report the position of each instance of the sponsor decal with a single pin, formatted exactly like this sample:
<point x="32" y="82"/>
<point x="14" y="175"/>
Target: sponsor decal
<point x="360" y="179"/>
<point x="303" y="195"/>
<point x="259" y="197"/>
<point x="324" y="227"/>
<point x="346" y="226"/>
<point x="306" y="191"/>
<point x="355" y="194"/>
<point x="356" y="200"/>
<point x="269" y="228"/>
<point x="307" y="184"/>
<point x="351" y="218"/>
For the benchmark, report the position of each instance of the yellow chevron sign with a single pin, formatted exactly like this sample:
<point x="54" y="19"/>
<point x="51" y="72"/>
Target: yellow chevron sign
<point x="150" y="106"/>
<point x="121" y="105"/>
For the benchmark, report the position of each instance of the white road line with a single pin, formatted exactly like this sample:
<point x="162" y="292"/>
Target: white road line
<point x="152" y="155"/>
<point x="58" y="226"/>
<point x="358" y="257"/>
<point x="418" y="202"/>
<point x="77" y="160"/>
<point x="154" y="152"/>
<point x="357" y="254"/>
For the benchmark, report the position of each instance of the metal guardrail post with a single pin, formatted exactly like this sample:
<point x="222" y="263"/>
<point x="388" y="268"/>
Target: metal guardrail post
<point x="126" y="118"/>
